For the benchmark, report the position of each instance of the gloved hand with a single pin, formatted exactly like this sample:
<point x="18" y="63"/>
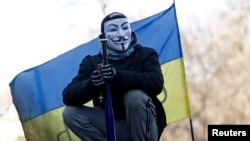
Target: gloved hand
<point x="108" y="71"/>
<point x="96" y="78"/>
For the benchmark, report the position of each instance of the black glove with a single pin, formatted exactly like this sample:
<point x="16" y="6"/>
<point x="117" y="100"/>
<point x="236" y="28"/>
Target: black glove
<point x="96" y="78"/>
<point x="108" y="71"/>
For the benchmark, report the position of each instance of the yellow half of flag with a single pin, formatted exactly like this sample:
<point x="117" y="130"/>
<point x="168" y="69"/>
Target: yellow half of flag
<point x="48" y="127"/>
<point x="174" y="96"/>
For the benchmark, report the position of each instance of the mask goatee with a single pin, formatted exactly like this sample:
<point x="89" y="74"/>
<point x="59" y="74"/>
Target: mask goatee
<point x="123" y="47"/>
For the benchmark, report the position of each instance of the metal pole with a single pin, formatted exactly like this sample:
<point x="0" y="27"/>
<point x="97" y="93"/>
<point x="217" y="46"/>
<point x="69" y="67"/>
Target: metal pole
<point x="191" y="126"/>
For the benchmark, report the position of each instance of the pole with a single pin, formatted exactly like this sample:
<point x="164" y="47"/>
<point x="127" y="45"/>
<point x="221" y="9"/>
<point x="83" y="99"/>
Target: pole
<point x="191" y="126"/>
<point x="109" y="108"/>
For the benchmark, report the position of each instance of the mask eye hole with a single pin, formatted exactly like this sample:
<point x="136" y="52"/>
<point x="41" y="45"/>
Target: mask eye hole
<point x="113" y="30"/>
<point x="125" y="27"/>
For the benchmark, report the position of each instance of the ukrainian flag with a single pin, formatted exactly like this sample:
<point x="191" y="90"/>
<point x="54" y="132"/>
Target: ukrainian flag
<point x="37" y="92"/>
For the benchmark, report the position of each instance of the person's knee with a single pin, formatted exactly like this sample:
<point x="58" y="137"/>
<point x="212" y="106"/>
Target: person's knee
<point x="67" y="114"/>
<point x="134" y="98"/>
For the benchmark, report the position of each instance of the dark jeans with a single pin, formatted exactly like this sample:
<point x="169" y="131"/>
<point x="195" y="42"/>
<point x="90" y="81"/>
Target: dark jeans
<point x="89" y="124"/>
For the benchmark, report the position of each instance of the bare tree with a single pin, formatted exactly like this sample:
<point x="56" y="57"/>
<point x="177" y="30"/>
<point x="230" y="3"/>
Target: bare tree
<point x="216" y="58"/>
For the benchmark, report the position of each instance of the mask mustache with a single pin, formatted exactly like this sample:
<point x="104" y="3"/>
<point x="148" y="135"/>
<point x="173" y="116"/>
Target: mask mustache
<point x="120" y="39"/>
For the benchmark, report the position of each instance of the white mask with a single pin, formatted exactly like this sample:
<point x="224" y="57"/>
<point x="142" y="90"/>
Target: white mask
<point x="118" y="33"/>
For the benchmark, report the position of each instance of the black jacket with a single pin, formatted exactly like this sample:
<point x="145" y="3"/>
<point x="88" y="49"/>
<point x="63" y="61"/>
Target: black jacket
<point x="140" y="70"/>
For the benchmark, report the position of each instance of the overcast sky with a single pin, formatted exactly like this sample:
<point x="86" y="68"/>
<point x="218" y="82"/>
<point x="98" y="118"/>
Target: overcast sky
<point x="33" y="32"/>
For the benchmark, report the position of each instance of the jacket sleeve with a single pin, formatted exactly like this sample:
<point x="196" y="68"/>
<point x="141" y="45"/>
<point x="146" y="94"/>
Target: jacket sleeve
<point x="149" y="79"/>
<point x="79" y="91"/>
